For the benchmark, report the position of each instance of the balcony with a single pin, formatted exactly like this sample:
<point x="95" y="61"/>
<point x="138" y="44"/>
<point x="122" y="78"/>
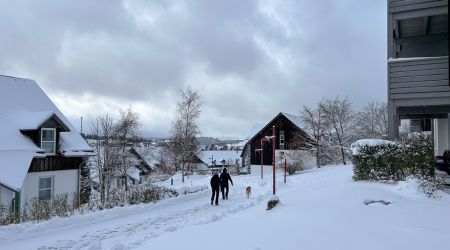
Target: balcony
<point x="419" y="78"/>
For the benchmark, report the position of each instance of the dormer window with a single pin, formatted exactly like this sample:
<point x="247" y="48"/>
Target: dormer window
<point x="48" y="140"/>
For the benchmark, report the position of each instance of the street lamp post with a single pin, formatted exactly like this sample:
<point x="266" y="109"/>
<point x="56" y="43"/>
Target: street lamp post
<point x="261" y="150"/>
<point x="273" y="140"/>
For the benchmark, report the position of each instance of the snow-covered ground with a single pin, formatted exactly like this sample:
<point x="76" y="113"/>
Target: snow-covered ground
<point x="319" y="209"/>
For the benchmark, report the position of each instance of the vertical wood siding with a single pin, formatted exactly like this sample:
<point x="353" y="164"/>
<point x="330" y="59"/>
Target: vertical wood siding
<point x="53" y="163"/>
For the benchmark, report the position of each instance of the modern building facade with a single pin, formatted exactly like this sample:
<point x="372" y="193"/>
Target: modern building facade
<point x="418" y="79"/>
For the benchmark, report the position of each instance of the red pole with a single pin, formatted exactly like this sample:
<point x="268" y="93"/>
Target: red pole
<point x="262" y="151"/>
<point x="273" y="156"/>
<point x="284" y="170"/>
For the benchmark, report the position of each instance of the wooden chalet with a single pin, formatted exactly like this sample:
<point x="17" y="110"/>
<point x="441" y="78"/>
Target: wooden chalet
<point x="289" y="136"/>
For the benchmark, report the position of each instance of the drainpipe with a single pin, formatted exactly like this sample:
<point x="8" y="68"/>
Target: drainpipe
<point x="79" y="183"/>
<point x="17" y="204"/>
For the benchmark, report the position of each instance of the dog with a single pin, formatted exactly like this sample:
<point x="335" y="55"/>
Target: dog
<point x="248" y="191"/>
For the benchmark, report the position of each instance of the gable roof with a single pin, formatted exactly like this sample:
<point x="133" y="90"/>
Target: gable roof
<point x="297" y="121"/>
<point x="25" y="106"/>
<point x="254" y="130"/>
<point x="34" y="120"/>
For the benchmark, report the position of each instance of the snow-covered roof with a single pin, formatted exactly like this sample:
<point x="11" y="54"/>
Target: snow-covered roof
<point x="413" y="58"/>
<point x="255" y="129"/>
<point x="25" y="106"/>
<point x="294" y="119"/>
<point x="133" y="173"/>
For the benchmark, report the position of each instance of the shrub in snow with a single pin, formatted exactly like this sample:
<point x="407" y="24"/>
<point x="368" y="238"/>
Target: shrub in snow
<point x="429" y="184"/>
<point x="294" y="160"/>
<point x="389" y="162"/>
<point x="272" y="202"/>
<point x="7" y="215"/>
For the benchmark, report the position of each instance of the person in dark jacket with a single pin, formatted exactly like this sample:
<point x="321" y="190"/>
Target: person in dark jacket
<point x="215" y="183"/>
<point x="224" y="178"/>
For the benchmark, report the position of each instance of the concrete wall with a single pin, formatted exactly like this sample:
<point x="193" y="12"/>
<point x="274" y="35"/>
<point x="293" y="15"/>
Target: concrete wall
<point x="256" y="169"/>
<point x="310" y="164"/>
<point x="268" y="169"/>
<point x="64" y="181"/>
<point x="441" y="135"/>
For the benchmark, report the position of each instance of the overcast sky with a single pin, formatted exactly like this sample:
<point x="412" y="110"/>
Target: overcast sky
<point x="249" y="60"/>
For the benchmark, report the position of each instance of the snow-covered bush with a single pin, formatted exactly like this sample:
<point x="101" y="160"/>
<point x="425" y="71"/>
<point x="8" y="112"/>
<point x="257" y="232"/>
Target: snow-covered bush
<point x="389" y="162"/>
<point x="272" y="202"/>
<point x="430" y="184"/>
<point x="7" y="215"/>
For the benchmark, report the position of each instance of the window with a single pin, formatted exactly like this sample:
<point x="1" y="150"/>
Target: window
<point x="281" y="139"/>
<point x="48" y="140"/>
<point x="45" y="188"/>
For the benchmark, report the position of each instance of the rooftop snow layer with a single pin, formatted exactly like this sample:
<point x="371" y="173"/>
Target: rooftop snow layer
<point x="24" y="105"/>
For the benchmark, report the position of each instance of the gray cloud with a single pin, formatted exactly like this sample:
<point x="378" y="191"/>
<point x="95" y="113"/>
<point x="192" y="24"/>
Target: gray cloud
<point x="248" y="59"/>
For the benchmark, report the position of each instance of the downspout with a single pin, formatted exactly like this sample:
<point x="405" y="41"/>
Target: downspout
<point x="17" y="204"/>
<point x="79" y="183"/>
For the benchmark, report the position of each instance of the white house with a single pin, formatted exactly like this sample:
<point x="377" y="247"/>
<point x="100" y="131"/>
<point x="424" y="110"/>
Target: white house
<point x="41" y="152"/>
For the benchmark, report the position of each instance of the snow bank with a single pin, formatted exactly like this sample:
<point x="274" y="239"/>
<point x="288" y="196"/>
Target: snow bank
<point x="368" y="142"/>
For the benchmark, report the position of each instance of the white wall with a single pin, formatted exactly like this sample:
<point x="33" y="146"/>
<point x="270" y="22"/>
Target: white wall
<point x="256" y="169"/>
<point x="310" y="164"/>
<point x="441" y="135"/>
<point x="6" y="196"/>
<point x="64" y="181"/>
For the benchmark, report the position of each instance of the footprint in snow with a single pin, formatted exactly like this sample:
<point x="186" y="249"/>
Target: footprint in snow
<point x="171" y="229"/>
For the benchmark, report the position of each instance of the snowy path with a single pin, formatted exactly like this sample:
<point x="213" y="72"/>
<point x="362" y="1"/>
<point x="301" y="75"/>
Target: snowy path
<point x="131" y="227"/>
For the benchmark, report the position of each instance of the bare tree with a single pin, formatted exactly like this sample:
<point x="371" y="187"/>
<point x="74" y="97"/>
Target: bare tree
<point x="126" y="129"/>
<point x="183" y="142"/>
<point x="373" y="120"/>
<point x="315" y="126"/>
<point x="340" y="119"/>
<point x="382" y="118"/>
<point x="103" y="163"/>
<point x="114" y="159"/>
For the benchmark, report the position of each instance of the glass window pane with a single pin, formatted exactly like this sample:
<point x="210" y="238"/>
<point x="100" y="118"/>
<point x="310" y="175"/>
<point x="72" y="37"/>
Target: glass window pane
<point x="48" y="135"/>
<point x="45" y="194"/>
<point x="48" y="147"/>
<point x="45" y="183"/>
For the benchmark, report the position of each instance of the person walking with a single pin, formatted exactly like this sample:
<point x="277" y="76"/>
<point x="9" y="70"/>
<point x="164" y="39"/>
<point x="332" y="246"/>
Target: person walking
<point x="224" y="178"/>
<point x="215" y="183"/>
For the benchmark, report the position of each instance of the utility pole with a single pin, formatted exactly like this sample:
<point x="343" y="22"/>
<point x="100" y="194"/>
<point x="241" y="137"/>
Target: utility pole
<point x="81" y="130"/>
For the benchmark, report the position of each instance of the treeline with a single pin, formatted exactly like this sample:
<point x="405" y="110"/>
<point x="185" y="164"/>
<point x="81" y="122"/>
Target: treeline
<point x="133" y="139"/>
<point x="334" y="125"/>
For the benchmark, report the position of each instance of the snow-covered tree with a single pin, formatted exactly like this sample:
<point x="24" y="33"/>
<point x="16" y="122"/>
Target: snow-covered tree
<point x="373" y="120"/>
<point x="102" y="165"/>
<point x="115" y="138"/>
<point x="315" y="126"/>
<point x="340" y="119"/>
<point x="183" y="144"/>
